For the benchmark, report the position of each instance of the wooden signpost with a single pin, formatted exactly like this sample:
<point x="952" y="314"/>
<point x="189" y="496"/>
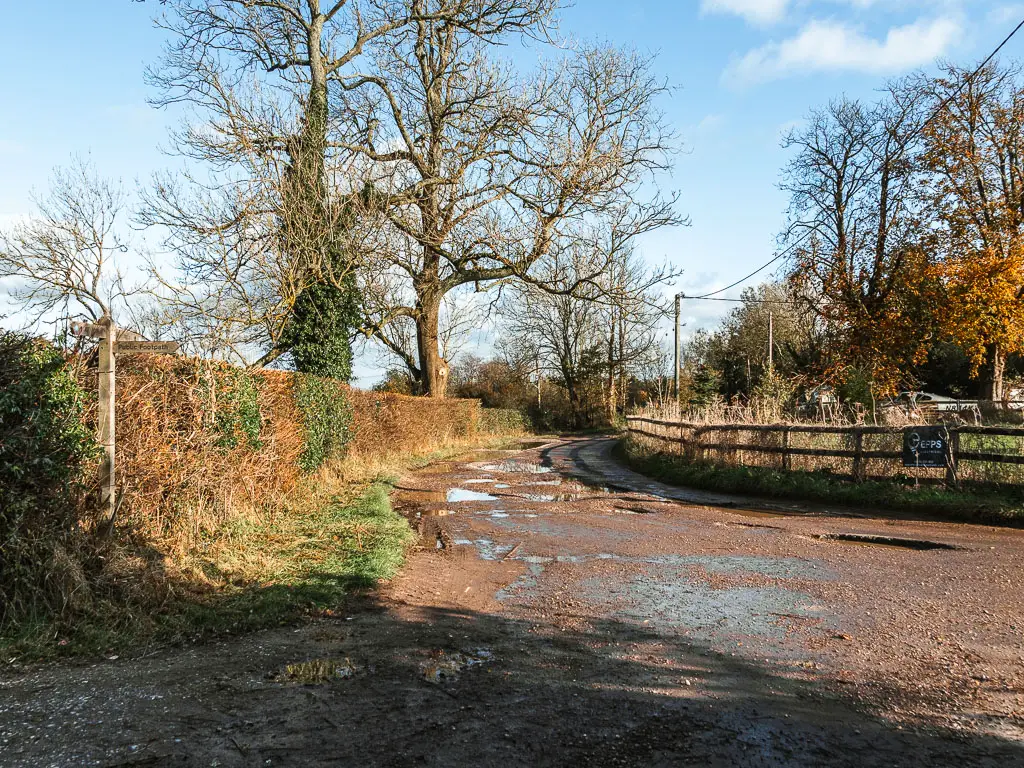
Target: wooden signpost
<point x="112" y="342"/>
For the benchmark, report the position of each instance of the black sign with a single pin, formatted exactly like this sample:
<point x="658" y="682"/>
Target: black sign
<point x="925" y="447"/>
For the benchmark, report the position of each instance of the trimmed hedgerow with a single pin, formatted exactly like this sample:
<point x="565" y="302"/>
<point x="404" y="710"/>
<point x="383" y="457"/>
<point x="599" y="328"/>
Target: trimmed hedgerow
<point x="502" y="421"/>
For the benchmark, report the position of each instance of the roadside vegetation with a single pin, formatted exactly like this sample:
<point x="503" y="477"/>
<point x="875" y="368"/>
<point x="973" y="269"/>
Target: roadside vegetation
<point x="335" y="536"/>
<point x="248" y="498"/>
<point x="973" y="503"/>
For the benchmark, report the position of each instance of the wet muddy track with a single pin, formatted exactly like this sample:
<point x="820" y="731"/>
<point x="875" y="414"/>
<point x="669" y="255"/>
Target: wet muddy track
<point x="562" y="610"/>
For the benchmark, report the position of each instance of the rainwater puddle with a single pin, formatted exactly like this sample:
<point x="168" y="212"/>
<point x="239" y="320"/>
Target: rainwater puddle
<point x="456" y="495"/>
<point x="529" y="445"/>
<point x="513" y="466"/>
<point x="502" y="485"/>
<point x="488" y="550"/>
<point x="444" y="666"/>
<point x="482" y="481"/>
<point x="423" y="497"/>
<point x="866" y="540"/>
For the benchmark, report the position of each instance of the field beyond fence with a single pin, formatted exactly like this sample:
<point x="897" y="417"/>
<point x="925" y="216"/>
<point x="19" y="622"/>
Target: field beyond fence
<point x="986" y="455"/>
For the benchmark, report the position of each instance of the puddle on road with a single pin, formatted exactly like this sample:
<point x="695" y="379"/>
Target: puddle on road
<point x="440" y="468"/>
<point x="457" y="495"/>
<point x="481" y="481"/>
<point x="867" y="540"/>
<point x="422" y="496"/>
<point x="529" y="445"/>
<point x="513" y="467"/>
<point x="487" y="549"/>
<point x="444" y="666"/>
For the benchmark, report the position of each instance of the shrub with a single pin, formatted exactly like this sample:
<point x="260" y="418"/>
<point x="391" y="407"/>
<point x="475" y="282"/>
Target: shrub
<point x="326" y="420"/>
<point x="238" y="413"/>
<point x="46" y="450"/>
<point x="502" y="421"/>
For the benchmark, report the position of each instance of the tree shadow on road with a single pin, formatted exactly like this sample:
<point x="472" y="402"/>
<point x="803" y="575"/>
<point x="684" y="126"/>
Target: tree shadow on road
<point x="566" y="692"/>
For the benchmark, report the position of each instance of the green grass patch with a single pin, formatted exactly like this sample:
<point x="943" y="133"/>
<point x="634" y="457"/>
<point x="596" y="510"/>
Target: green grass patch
<point x="997" y="506"/>
<point x="295" y="566"/>
<point x="334" y="536"/>
<point x="248" y="576"/>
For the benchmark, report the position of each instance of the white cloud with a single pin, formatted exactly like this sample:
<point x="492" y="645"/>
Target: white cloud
<point x="1006" y="14"/>
<point x="827" y="46"/>
<point x="754" y="11"/>
<point x="764" y="12"/>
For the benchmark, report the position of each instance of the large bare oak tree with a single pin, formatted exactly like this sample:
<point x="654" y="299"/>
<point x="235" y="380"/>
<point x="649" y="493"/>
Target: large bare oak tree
<point x="481" y="172"/>
<point x="262" y="211"/>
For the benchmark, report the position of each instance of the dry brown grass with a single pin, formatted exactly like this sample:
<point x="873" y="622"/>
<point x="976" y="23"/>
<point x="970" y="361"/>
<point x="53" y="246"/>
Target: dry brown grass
<point x="720" y="425"/>
<point x="179" y="482"/>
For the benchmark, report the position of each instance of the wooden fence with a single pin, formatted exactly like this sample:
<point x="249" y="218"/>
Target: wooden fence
<point x="981" y="454"/>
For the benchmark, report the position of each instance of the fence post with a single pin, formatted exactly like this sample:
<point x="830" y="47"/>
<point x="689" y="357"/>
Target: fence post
<point x="786" y="463"/>
<point x="106" y="388"/>
<point x="858" y="455"/>
<point x="952" y="458"/>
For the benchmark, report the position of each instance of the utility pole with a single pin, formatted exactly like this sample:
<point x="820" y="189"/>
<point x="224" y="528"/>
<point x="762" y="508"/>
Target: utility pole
<point x="771" y="341"/>
<point x="538" y="380"/>
<point x="679" y="298"/>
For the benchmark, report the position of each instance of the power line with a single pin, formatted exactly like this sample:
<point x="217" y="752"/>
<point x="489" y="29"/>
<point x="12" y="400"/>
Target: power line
<point x="756" y="271"/>
<point x="935" y="113"/>
<point x="742" y="301"/>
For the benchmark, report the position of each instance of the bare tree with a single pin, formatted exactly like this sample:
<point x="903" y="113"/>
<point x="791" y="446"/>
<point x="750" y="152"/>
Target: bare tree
<point x="63" y="261"/>
<point x="589" y="333"/>
<point x="480" y="173"/>
<point x="262" y="80"/>
<point x="855" y="228"/>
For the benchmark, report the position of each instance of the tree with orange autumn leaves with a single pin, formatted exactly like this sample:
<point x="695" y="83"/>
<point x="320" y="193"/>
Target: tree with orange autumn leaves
<point x="854" y="230"/>
<point x="906" y="226"/>
<point x="973" y="166"/>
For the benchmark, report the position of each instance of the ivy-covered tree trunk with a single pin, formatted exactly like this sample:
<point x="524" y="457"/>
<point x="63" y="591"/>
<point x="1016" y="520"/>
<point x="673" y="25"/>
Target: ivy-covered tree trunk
<point x="319" y="331"/>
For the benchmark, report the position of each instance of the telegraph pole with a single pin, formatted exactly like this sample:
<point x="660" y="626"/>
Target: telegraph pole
<point x="679" y="299"/>
<point x="771" y="340"/>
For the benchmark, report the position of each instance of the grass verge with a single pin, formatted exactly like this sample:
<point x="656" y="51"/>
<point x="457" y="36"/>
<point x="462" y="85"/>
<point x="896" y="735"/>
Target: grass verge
<point x="980" y="505"/>
<point x="335" y="536"/>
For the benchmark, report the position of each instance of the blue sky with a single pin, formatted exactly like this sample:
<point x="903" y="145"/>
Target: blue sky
<point x="744" y="71"/>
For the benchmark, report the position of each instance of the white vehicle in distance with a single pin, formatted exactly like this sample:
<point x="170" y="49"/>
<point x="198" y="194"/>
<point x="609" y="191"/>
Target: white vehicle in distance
<point x="917" y="404"/>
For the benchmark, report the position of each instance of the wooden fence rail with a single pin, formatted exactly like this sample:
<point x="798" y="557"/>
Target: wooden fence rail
<point x="975" y="452"/>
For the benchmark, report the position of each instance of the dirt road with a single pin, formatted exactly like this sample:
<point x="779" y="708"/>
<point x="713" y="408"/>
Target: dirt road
<point x="563" y="611"/>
